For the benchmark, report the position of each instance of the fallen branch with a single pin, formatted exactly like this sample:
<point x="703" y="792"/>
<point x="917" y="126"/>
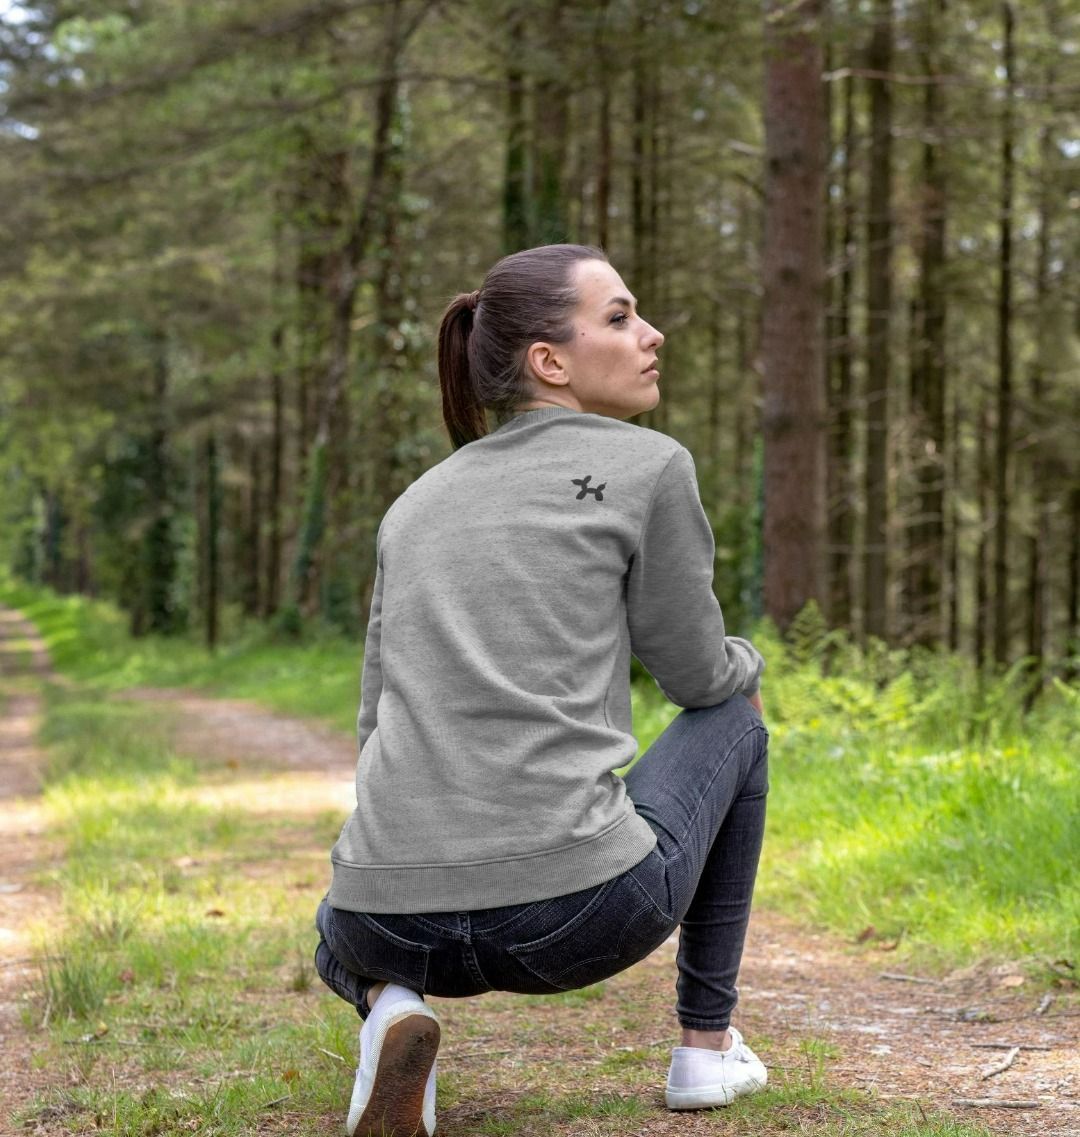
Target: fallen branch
<point x="1003" y="1065"/>
<point x="1010" y="1045"/>
<point x="478" y="1053"/>
<point x="331" y="1054"/>
<point x="1046" y="1001"/>
<point x="996" y="1103"/>
<point x="907" y="978"/>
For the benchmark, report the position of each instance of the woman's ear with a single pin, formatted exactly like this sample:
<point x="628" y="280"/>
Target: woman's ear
<point x="545" y="364"/>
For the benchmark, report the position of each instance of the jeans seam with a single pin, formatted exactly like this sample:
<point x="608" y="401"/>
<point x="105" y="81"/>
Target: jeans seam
<point x="715" y="774"/>
<point x="668" y="916"/>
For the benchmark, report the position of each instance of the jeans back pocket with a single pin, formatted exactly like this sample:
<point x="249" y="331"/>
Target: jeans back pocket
<point x="617" y="926"/>
<point x="369" y="949"/>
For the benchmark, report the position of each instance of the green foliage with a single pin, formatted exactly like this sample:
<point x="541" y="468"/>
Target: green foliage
<point x="911" y="796"/>
<point x="908" y="794"/>
<point x="163" y="957"/>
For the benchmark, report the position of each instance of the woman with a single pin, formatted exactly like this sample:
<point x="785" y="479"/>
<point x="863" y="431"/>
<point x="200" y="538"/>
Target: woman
<point x="492" y="846"/>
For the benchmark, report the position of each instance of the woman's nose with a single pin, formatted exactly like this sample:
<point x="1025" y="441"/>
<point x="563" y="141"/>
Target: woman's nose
<point x="653" y="336"/>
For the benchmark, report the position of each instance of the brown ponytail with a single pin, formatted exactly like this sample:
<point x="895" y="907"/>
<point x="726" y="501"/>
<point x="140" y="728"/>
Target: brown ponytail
<point x="526" y="297"/>
<point x="463" y="415"/>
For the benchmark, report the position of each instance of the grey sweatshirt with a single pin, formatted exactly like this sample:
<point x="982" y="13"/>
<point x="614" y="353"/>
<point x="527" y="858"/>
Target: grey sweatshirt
<point x="514" y="579"/>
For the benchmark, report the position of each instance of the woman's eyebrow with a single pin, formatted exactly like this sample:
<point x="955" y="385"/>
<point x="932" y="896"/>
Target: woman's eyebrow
<point x="623" y="301"/>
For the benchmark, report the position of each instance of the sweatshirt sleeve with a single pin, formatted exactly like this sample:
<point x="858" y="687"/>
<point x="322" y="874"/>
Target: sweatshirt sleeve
<point x="371" y="676"/>
<point x="676" y="626"/>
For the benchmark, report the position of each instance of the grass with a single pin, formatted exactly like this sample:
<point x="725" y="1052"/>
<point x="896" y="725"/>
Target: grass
<point x="922" y="819"/>
<point x="316" y="677"/>
<point x="911" y="802"/>
<point x="178" y="997"/>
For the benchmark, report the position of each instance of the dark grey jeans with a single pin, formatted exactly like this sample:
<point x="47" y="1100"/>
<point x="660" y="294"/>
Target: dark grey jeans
<point x="702" y="787"/>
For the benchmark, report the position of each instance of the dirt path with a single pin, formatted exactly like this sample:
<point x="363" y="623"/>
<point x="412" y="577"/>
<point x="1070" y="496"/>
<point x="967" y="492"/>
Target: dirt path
<point x="896" y="1038"/>
<point x="24" y="847"/>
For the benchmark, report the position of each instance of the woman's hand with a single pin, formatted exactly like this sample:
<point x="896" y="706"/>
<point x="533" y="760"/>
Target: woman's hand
<point x="755" y="702"/>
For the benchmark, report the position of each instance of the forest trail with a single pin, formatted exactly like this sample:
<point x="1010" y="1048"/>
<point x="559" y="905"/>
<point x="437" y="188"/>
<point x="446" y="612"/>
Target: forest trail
<point x="25" y="848"/>
<point x="924" y="1040"/>
<point x="907" y="1038"/>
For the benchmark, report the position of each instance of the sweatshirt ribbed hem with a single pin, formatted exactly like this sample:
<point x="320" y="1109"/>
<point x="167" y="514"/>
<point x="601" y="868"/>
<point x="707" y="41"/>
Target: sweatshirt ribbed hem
<point x="413" y="889"/>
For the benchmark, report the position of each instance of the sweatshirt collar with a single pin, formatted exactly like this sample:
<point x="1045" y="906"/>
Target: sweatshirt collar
<point x="537" y="414"/>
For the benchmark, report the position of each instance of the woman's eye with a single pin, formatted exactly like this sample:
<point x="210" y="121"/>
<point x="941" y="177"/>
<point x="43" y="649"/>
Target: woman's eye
<point x="620" y="317"/>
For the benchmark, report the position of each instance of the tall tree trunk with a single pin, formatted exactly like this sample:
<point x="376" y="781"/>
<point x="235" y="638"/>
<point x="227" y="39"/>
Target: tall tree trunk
<point x="314" y="240"/>
<point x="272" y="589"/>
<point x="878" y="324"/>
<point x="1072" y="597"/>
<point x="1005" y="357"/>
<point x="1041" y="498"/>
<point x="388" y="475"/>
<point x="793" y="317"/>
<point x="841" y="512"/>
<point x="309" y="551"/>
<point x="213" y="530"/>
<point x="550" y="121"/>
<point x="52" y="561"/>
<point x="1042" y="490"/>
<point x="982" y="566"/>
<point x="953" y="554"/>
<point x="639" y="127"/>
<point x="159" y="546"/>
<point x="253" y="534"/>
<point x="603" y="155"/>
<point x="516" y="225"/>
<point x="926" y="553"/>
<point x="657" y="302"/>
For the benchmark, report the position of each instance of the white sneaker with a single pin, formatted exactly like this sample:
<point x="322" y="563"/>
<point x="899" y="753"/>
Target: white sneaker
<point x="703" y="1079"/>
<point x="394" y="1092"/>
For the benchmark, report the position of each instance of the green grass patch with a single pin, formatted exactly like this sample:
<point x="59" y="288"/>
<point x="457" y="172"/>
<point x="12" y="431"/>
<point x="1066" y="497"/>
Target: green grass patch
<point x="317" y="676"/>
<point x="178" y="992"/>
<point x="911" y="800"/>
<point x="902" y="808"/>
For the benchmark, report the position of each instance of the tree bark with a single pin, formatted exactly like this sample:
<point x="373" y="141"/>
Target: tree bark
<point x="878" y="325"/>
<point x="982" y="567"/>
<point x="841" y="512"/>
<point x="272" y="589"/>
<point x="550" y="120"/>
<point x="213" y="529"/>
<point x="926" y="551"/>
<point x="603" y="156"/>
<point x="1005" y="355"/>
<point x="304" y="587"/>
<point x="639" y="109"/>
<point x="1072" y="598"/>
<point x="516" y="225"/>
<point x="953" y="554"/>
<point x="253" y="536"/>
<point x="793" y="317"/>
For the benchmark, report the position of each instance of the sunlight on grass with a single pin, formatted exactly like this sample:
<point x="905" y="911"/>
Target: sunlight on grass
<point x="176" y="979"/>
<point x="908" y="800"/>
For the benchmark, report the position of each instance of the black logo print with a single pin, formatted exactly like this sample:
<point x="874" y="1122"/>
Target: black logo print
<point x="586" y="488"/>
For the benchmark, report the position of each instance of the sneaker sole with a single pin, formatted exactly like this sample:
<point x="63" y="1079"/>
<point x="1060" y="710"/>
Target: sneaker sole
<point x="709" y="1097"/>
<point x="699" y="1099"/>
<point x="396" y="1105"/>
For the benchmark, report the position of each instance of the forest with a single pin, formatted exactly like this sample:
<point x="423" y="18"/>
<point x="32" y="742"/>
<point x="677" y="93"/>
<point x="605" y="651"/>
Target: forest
<point x="228" y="233"/>
<point x="230" y="230"/>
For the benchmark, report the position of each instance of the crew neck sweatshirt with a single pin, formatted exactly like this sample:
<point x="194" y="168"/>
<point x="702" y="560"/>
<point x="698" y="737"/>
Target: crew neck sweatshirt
<point x="514" y="579"/>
